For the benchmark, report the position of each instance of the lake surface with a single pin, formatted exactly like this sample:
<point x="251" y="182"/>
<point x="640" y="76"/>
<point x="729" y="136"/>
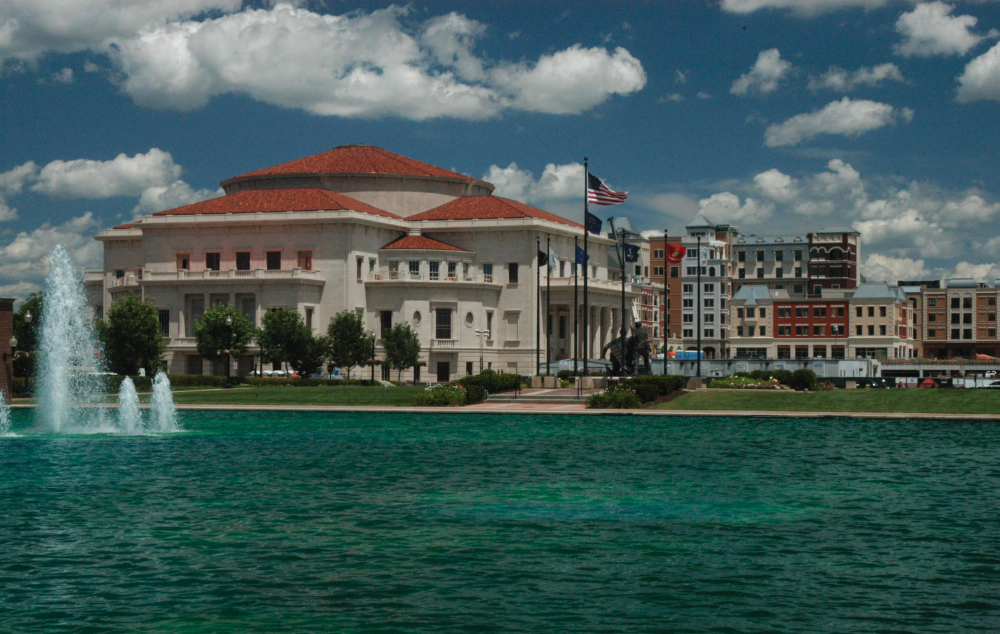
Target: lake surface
<point x="295" y="522"/>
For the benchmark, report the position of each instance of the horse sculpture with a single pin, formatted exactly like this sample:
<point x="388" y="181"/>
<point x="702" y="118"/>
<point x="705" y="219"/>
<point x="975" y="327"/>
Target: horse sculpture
<point x="636" y="346"/>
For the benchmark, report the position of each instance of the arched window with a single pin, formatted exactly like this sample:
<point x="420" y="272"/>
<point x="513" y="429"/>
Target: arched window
<point x="836" y="254"/>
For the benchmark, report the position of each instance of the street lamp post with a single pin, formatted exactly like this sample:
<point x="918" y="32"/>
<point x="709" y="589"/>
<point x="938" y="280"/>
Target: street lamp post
<point x="481" y="334"/>
<point x="229" y="351"/>
<point x="30" y="363"/>
<point x="372" y="333"/>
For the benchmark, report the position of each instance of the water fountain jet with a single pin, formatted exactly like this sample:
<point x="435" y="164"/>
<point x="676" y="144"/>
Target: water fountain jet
<point x="163" y="414"/>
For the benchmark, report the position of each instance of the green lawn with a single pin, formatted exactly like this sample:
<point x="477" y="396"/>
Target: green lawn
<point x="341" y="395"/>
<point x="931" y="401"/>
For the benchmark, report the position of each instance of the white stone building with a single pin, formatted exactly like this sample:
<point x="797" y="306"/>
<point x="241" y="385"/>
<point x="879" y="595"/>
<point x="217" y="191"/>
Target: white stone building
<point x="362" y="229"/>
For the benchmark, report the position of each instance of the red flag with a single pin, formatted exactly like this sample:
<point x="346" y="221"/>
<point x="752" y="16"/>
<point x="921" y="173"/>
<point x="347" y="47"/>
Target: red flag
<point x="675" y="254"/>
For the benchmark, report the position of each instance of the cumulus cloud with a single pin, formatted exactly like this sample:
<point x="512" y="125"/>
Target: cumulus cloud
<point x="557" y="182"/>
<point x="841" y="80"/>
<point x="981" y="78"/>
<point x="801" y="8"/>
<point x="726" y="207"/>
<point x="25" y="258"/>
<point x="776" y="185"/>
<point x="64" y="76"/>
<point x="363" y="65"/>
<point x="176" y="194"/>
<point x="845" y="117"/>
<point x="31" y="28"/>
<point x="674" y="204"/>
<point x="930" y="29"/>
<point x="675" y="97"/>
<point x="121" y="176"/>
<point x="883" y="268"/>
<point x="765" y="76"/>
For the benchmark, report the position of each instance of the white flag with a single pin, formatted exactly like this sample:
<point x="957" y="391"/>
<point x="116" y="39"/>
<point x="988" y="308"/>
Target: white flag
<point x="553" y="258"/>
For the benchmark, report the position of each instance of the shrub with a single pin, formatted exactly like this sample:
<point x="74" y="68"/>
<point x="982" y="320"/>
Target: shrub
<point x="760" y="375"/>
<point x="783" y="376"/>
<point x="615" y="397"/>
<point x="803" y="380"/>
<point x="178" y="380"/>
<point x="651" y="387"/>
<point x="474" y="394"/>
<point x="442" y="395"/>
<point x="492" y="382"/>
<point x="646" y="392"/>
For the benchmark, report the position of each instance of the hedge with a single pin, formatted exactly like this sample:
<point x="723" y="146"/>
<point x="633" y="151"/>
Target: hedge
<point x="292" y="382"/>
<point x="615" y="397"/>
<point x="492" y="382"/>
<point x="651" y="387"/>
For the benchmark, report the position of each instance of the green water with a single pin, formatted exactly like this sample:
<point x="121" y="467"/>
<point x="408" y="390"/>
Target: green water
<point x="279" y="522"/>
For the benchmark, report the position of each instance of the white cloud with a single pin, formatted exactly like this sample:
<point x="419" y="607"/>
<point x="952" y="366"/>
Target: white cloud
<point x="930" y="29"/>
<point x="882" y="268"/>
<point x="19" y="290"/>
<point x="680" y="76"/>
<point x="673" y="204"/>
<point x="704" y="95"/>
<point x="766" y="75"/>
<point x="25" y="258"/>
<point x="570" y="81"/>
<point x="981" y="79"/>
<point x="13" y="181"/>
<point x="802" y="8"/>
<point x="557" y="182"/>
<point x="121" y="176"/>
<point x="91" y="67"/>
<point x="674" y="97"/>
<point x="841" y="80"/>
<point x="726" y="207"/>
<point x="363" y="65"/>
<point x="31" y="28"/>
<point x="161" y="197"/>
<point x="776" y="185"/>
<point x="844" y="117"/>
<point x="64" y="76"/>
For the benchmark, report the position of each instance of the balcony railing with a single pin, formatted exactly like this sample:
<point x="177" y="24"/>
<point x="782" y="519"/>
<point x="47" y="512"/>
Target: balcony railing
<point x="444" y="343"/>
<point x="406" y="276"/>
<point x="230" y="274"/>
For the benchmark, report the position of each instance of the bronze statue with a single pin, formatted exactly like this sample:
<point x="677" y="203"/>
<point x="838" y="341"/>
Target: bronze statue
<point x="636" y="345"/>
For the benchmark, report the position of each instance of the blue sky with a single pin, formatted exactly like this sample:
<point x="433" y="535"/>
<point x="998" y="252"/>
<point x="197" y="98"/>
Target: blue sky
<point x="775" y="115"/>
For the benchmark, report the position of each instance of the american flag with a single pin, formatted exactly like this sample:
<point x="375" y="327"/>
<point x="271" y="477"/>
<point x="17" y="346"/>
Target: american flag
<point x="599" y="194"/>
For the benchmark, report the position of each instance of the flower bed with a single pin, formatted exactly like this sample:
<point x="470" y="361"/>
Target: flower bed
<point x="747" y="383"/>
<point x="442" y="395"/>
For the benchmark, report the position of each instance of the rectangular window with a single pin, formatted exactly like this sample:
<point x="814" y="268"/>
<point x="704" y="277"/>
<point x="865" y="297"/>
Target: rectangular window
<point x="242" y="260"/>
<point x="837" y="352"/>
<point x="881" y="330"/>
<point x="692" y="271"/>
<point x="164" y="315"/>
<point x="967" y="318"/>
<point x="991" y="301"/>
<point x="798" y="258"/>
<point x="512" y="273"/>
<point x="305" y="260"/>
<point x="858" y="330"/>
<point x="956" y="318"/>
<point x="512" y="319"/>
<point x="183" y="262"/>
<point x="709" y="288"/>
<point x="966" y="302"/>
<point x="196" y="308"/>
<point x="213" y="261"/>
<point x="687" y="318"/>
<point x="931" y="302"/>
<point x="779" y="273"/>
<point x="453" y="270"/>
<point x="760" y="274"/>
<point x="743" y="274"/>
<point x="709" y="302"/>
<point x="750" y="312"/>
<point x="739" y="313"/>
<point x="709" y="318"/>
<point x="688" y="288"/>
<point x="434" y="270"/>
<point x="779" y="256"/>
<point x="931" y="333"/>
<point x="675" y="271"/>
<point x="798" y="271"/>
<point x="991" y="333"/>
<point x="688" y="334"/>
<point x="760" y="256"/>
<point x="784" y="352"/>
<point x="819" y="352"/>
<point x="802" y="331"/>
<point x="881" y="311"/>
<point x="489" y="324"/>
<point x="991" y="316"/>
<point x="801" y="312"/>
<point x="967" y="333"/>
<point x="414" y="269"/>
<point x="955" y="302"/>
<point x="248" y="307"/>
<point x="488" y="272"/>
<point x="801" y="352"/>
<point x="955" y="334"/>
<point x="819" y="330"/>
<point x="763" y="331"/>
<point x="442" y="325"/>
<point x="710" y="334"/>
<point x="273" y="260"/>
<point x="871" y="331"/>
<point x="739" y="331"/>
<point x="687" y="303"/>
<point x="741" y="256"/>
<point x="385" y="323"/>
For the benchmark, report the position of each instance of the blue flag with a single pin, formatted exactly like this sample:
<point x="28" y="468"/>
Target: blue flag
<point x="593" y="223"/>
<point x="581" y="256"/>
<point x="631" y="252"/>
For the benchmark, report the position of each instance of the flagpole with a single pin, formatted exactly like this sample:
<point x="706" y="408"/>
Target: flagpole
<point x="538" y="307"/>
<point x="576" y="306"/>
<point x="698" y="325"/>
<point x="548" y="304"/>
<point x="666" y="288"/>
<point x="586" y="266"/>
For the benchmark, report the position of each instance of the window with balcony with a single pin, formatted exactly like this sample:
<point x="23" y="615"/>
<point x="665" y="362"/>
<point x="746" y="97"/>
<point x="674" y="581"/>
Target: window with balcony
<point x="213" y="261"/>
<point x="434" y="270"/>
<point x="242" y="260"/>
<point x="442" y="323"/>
<point x="453" y="270"/>
<point x="488" y="272"/>
<point x="305" y="260"/>
<point x="414" y="269"/>
<point x="273" y="260"/>
<point x="183" y="262"/>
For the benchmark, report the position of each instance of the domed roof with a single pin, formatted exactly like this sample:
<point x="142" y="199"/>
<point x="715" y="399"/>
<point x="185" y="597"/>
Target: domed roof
<point x="356" y="159"/>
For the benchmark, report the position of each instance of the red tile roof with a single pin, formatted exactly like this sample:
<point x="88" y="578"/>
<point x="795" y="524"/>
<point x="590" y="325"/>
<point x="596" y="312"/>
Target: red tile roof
<point x="421" y="243"/>
<point x="363" y="159"/>
<point x="265" y="200"/>
<point x="127" y="225"/>
<point x="488" y="207"/>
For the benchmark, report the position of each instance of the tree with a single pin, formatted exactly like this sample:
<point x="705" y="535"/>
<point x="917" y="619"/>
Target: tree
<point x="283" y="336"/>
<point x="310" y="358"/>
<point x="402" y="348"/>
<point x="27" y="334"/>
<point x="223" y="333"/>
<point x="131" y="336"/>
<point x="350" y="344"/>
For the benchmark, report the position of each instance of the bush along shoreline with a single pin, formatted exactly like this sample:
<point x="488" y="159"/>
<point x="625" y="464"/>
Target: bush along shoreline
<point x="636" y="391"/>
